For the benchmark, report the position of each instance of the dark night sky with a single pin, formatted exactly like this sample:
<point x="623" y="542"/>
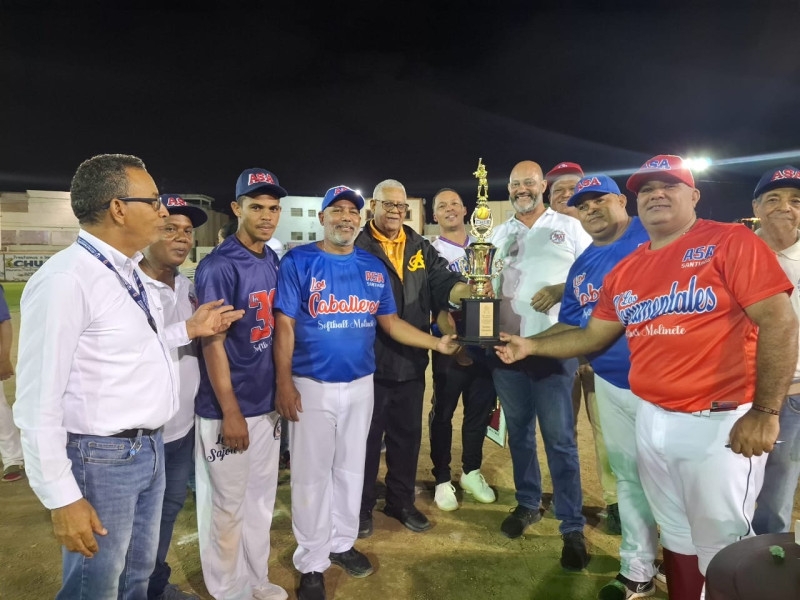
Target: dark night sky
<point x="353" y="95"/>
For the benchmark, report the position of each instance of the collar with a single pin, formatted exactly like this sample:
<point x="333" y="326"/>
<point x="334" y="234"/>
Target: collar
<point x="792" y="252"/>
<point x="401" y="237"/>
<point x="122" y="263"/>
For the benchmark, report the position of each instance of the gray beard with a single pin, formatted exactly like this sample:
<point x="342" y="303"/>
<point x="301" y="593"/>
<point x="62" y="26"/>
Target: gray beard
<point x="524" y="211"/>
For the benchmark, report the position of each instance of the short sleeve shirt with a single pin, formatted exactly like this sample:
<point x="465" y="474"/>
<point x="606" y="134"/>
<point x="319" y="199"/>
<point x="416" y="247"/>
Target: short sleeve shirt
<point x="334" y="300"/>
<point x="683" y="309"/>
<point x="582" y="290"/>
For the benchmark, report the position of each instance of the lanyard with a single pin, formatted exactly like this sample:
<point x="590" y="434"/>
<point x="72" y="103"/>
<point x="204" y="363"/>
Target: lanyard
<point x="138" y="296"/>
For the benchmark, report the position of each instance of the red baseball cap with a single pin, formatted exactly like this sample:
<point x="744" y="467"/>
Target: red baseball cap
<point x="561" y="169"/>
<point x="663" y="165"/>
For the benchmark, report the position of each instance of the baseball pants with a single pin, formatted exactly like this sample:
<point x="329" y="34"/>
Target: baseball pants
<point x="328" y="445"/>
<point x="10" y="445"/>
<point x="235" y="500"/>
<point x="616" y="410"/>
<point x="702" y="494"/>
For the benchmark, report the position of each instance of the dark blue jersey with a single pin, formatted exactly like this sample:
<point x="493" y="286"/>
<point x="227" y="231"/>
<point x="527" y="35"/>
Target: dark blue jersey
<point x="246" y="281"/>
<point x="333" y="299"/>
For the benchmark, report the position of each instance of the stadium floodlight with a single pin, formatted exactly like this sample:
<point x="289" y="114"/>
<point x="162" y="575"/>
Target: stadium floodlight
<point x="697" y="164"/>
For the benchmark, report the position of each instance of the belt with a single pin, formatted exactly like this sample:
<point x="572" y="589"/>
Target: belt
<point x="716" y="407"/>
<point x="131" y="433"/>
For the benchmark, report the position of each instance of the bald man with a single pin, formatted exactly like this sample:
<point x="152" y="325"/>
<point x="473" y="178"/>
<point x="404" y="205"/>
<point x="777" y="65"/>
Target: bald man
<point x="537" y="246"/>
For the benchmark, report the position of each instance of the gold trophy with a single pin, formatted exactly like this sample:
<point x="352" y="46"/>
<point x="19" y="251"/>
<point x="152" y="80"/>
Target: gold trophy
<point x="481" y="312"/>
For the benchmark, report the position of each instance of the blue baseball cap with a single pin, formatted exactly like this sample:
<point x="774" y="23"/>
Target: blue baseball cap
<point x="342" y="192"/>
<point x="259" y="180"/>
<point x="785" y="176"/>
<point x="600" y="184"/>
<point x="176" y="205"/>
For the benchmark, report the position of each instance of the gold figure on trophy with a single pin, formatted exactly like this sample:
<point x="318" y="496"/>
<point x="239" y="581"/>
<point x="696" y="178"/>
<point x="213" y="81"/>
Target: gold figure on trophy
<point x="481" y="311"/>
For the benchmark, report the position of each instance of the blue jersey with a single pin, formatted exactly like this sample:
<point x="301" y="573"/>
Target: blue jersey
<point x="248" y="282"/>
<point x="582" y="289"/>
<point x="333" y="299"/>
<point x="5" y="315"/>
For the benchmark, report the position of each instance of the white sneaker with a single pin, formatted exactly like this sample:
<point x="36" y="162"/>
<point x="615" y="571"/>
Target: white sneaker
<point x="445" y="496"/>
<point x="474" y="483"/>
<point x="270" y="591"/>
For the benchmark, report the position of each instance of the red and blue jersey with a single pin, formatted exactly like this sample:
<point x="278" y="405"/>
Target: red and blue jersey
<point x="334" y="299"/>
<point x="582" y="290"/>
<point x="246" y="281"/>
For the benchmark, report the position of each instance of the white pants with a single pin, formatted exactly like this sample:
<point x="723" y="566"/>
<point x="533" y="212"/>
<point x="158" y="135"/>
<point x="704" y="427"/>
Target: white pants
<point x="235" y="500"/>
<point x="328" y="447"/>
<point x="10" y="446"/>
<point x="702" y="494"/>
<point x="616" y="408"/>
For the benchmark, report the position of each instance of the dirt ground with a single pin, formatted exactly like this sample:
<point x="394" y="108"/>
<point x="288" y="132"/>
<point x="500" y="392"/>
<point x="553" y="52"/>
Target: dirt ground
<point x="464" y="555"/>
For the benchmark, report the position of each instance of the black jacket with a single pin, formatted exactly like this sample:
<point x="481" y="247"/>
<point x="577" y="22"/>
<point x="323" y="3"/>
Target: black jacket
<point x="425" y="287"/>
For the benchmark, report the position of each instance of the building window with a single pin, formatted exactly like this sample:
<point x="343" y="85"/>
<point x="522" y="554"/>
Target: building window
<point x="297" y="212"/>
<point x="312" y="212"/>
<point x="312" y="237"/>
<point x="297" y="236"/>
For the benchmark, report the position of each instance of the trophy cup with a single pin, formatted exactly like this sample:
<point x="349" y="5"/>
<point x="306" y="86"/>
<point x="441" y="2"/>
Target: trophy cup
<point x="481" y="312"/>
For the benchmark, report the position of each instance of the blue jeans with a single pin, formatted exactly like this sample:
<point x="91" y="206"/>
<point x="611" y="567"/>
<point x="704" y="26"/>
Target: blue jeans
<point x="542" y="388"/>
<point x="774" y="505"/>
<point x="123" y="479"/>
<point x="178" y="466"/>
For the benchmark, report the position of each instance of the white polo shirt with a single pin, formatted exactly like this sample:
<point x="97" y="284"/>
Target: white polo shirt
<point x="532" y="259"/>
<point x="789" y="259"/>
<point x="177" y="306"/>
<point x="88" y="363"/>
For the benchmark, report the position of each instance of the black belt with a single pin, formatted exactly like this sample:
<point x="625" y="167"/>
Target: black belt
<point x="131" y="433"/>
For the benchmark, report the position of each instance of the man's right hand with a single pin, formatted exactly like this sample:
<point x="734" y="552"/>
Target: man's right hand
<point x="288" y="402"/>
<point x="516" y="348"/>
<point x="74" y="526"/>
<point x="235" y="434"/>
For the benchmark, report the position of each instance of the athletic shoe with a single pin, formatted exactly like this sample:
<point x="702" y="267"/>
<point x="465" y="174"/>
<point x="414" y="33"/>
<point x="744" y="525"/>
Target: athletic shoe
<point x="445" y="496"/>
<point x="410" y="517"/>
<point x="270" y="591"/>
<point x="573" y="555"/>
<point x="520" y="517"/>
<point x="474" y="483"/>
<point x="312" y="586"/>
<point x="661" y="574"/>
<point x="13" y="473"/>
<point x="353" y="562"/>
<point x="623" y="588"/>
<point x="365" y="525"/>
<point x="613" y="524"/>
<point x="173" y="592"/>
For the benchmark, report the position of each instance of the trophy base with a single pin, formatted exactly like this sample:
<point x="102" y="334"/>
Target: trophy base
<point x="481" y="319"/>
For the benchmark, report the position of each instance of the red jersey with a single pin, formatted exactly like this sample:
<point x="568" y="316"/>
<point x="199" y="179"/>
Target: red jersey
<point x="683" y="309"/>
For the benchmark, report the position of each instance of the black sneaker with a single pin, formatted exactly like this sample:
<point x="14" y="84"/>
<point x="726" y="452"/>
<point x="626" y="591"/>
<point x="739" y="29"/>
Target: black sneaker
<point x="365" y="525"/>
<point x="573" y="555"/>
<point x="312" y="586"/>
<point x="520" y="517"/>
<point x="613" y="524"/>
<point x="623" y="588"/>
<point x="353" y="562"/>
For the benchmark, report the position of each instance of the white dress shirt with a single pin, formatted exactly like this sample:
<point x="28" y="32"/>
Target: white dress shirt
<point x="88" y="363"/>
<point x="177" y="306"/>
<point x="532" y="259"/>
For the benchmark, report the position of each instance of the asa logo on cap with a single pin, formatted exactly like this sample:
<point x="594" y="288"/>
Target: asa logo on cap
<point x="340" y="189"/>
<point x="176" y="201"/>
<point x="662" y="164"/>
<point x="588" y="182"/>
<point x="785" y="174"/>
<point x="260" y="178"/>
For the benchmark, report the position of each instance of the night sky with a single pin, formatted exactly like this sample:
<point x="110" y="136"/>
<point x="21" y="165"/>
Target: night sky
<point x="352" y="94"/>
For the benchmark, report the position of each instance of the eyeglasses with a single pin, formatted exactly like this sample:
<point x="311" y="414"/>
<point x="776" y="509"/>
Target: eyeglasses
<point x="398" y="206"/>
<point x="171" y="232"/>
<point x="154" y="202"/>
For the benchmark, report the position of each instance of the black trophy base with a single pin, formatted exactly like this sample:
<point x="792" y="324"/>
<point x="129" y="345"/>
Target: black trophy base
<point x="481" y="322"/>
